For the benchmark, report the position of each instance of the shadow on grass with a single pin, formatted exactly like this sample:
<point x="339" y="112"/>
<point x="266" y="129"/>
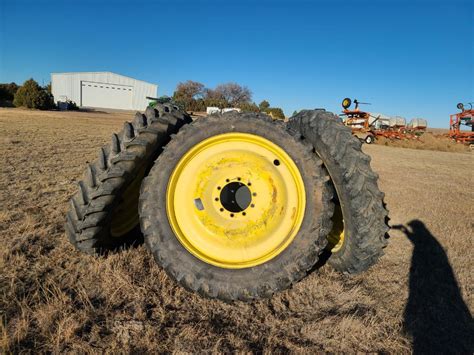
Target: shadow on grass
<point x="133" y="239"/>
<point x="91" y="109"/>
<point x="435" y="315"/>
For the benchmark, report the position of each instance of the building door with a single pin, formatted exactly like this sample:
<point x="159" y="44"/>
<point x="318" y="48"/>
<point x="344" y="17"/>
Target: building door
<point x="105" y="95"/>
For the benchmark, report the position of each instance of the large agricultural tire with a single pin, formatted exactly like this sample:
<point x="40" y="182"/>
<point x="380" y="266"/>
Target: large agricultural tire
<point x="360" y="218"/>
<point x="236" y="207"/>
<point x="103" y="214"/>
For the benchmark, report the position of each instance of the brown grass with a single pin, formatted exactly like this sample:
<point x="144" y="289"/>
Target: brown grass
<point x="55" y="299"/>
<point x="428" y="141"/>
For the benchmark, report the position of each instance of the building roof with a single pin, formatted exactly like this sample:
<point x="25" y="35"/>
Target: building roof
<point x="101" y="72"/>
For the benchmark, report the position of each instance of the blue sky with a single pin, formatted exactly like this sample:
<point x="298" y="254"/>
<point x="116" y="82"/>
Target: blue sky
<point x="410" y="58"/>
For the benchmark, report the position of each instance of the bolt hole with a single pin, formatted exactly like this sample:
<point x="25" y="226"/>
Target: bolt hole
<point x="249" y="184"/>
<point x="222" y="210"/>
<point x="254" y="194"/>
<point x="239" y="179"/>
<point x="252" y="205"/>
<point x="218" y="187"/>
<point x="232" y="215"/>
<point x="227" y="180"/>
<point x="276" y="162"/>
<point x="243" y="213"/>
<point x="217" y="199"/>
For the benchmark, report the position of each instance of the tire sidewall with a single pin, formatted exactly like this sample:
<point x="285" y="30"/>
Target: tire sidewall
<point x="336" y="173"/>
<point x="257" y="281"/>
<point x="359" y="197"/>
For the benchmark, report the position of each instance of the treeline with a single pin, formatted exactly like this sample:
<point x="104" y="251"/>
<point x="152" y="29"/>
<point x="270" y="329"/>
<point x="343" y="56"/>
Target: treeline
<point x="190" y="95"/>
<point x="194" y="96"/>
<point x="30" y="95"/>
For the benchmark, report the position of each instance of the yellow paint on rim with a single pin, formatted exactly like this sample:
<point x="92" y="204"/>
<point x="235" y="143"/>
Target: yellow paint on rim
<point x="262" y="229"/>
<point x="336" y="236"/>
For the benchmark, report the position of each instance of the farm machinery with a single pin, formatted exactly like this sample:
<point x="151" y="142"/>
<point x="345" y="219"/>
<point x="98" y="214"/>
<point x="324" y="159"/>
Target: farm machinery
<point x="460" y="119"/>
<point x="234" y="206"/>
<point x="359" y="121"/>
<point x="367" y="127"/>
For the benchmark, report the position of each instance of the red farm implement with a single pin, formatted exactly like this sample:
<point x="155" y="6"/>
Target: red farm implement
<point x="368" y="127"/>
<point x="458" y="121"/>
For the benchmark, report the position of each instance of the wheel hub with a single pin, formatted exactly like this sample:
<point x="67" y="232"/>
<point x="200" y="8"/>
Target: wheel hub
<point x="235" y="196"/>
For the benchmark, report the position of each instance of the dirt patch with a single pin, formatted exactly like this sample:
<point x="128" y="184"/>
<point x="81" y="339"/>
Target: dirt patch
<point x="427" y="141"/>
<point x="55" y="299"/>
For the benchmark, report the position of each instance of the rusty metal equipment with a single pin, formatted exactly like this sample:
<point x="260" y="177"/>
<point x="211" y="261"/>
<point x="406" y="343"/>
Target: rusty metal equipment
<point x="364" y="125"/>
<point x="359" y="121"/>
<point x="457" y="122"/>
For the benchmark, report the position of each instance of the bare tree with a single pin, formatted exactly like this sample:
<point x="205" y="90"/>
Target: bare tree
<point x="234" y="93"/>
<point x="210" y="94"/>
<point x="188" y="91"/>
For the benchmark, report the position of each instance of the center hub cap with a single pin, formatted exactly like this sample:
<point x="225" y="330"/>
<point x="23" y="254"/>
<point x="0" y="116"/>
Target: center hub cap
<point x="235" y="197"/>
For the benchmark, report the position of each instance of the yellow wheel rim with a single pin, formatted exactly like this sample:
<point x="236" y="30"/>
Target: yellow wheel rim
<point x="346" y="103"/>
<point x="336" y="236"/>
<point x="235" y="200"/>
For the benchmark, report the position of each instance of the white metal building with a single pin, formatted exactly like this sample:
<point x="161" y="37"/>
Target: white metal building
<point x="102" y="90"/>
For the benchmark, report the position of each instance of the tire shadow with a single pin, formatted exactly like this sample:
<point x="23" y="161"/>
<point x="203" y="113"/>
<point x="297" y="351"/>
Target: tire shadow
<point x="435" y="315"/>
<point x="134" y="238"/>
<point x="131" y="240"/>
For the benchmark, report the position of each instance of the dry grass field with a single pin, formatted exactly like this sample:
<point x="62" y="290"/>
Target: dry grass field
<point x="419" y="297"/>
<point x="428" y="141"/>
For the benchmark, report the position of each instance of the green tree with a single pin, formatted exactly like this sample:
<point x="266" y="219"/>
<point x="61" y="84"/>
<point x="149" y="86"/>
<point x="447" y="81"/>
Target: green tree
<point x="7" y="93"/>
<point x="264" y="105"/>
<point x="31" y="95"/>
<point x="248" y="107"/>
<point x="276" y="113"/>
<point x="215" y="102"/>
<point x="295" y="112"/>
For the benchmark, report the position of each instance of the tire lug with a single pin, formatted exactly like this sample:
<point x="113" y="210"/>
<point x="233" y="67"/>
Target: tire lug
<point x="128" y="131"/>
<point x="115" y="144"/>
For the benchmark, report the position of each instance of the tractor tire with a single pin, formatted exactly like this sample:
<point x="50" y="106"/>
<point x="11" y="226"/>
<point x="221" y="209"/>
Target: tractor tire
<point x="369" y="139"/>
<point x="103" y="214"/>
<point x="236" y="207"/>
<point x="360" y="218"/>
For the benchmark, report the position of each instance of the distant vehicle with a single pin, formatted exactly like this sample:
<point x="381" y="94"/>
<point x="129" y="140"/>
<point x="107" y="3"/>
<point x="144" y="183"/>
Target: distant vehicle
<point x="460" y="119"/>
<point x="359" y="121"/>
<point x="367" y="127"/>
<point x="212" y="110"/>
